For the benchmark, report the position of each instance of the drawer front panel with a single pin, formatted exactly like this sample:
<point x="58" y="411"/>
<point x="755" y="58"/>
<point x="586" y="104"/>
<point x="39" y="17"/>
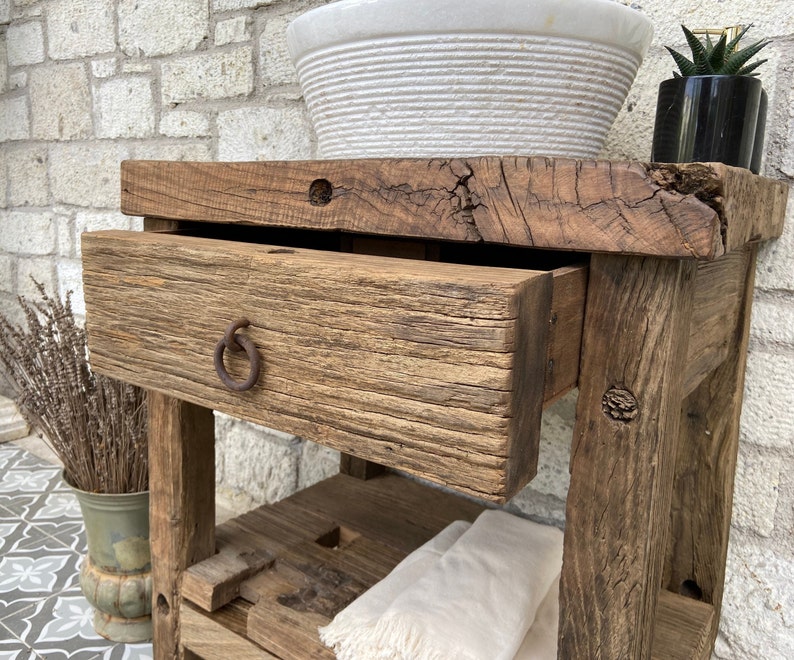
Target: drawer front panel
<point x="433" y="368"/>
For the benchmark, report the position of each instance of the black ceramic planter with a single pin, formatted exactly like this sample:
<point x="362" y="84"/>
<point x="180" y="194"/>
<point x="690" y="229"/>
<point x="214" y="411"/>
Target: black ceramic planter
<point x="760" y="132"/>
<point x="709" y="119"/>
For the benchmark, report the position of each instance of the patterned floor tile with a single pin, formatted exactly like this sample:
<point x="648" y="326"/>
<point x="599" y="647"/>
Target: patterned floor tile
<point x="59" y="506"/>
<point x="28" y="460"/>
<point x="59" y="628"/>
<point x="11" y="531"/>
<point x="22" y="653"/>
<point x="37" y="508"/>
<point x="17" y="534"/>
<point x="35" y="572"/>
<point x="26" y="490"/>
<point x="129" y="652"/>
<point x="9" y="456"/>
<point x="12" y="648"/>
<point x="29" y="479"/>
<point x="19" y="504"/>
<point x="69" y="534"/>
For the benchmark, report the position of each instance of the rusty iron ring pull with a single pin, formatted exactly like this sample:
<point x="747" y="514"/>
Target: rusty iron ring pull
<point x="236" y="343"/>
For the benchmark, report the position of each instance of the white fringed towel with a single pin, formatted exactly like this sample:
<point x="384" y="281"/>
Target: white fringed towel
<point x="540" y="642"/>
<point x="350" y="633"/>
<point x="475" y="602"/>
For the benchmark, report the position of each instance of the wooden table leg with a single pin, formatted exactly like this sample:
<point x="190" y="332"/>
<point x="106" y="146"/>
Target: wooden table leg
<point x="359" y="468"/>
<point x="623" y="455"/>
<point x="182" y="506"/>
<point x="705" y="466"/>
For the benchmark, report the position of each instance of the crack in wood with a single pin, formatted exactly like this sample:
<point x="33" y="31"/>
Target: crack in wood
<point x="692" y="180"/>
<point x="517" y="208"/>
<point x="467" y="200"/>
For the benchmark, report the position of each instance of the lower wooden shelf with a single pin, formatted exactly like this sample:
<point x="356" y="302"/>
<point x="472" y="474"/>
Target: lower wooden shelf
<point x="283" y="570"/>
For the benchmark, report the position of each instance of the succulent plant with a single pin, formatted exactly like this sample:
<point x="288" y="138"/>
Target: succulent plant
<point x="721" y="58"/>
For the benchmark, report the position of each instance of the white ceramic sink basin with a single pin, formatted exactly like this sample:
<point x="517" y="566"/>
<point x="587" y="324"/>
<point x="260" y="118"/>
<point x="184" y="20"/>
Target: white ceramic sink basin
<point x="466" y="77"/>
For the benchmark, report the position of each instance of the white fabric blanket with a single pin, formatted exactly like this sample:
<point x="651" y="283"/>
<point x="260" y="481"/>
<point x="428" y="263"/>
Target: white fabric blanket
<point x="540" y="642"/>
<point x="469" y="594"/>
<point x="350" y="634"/>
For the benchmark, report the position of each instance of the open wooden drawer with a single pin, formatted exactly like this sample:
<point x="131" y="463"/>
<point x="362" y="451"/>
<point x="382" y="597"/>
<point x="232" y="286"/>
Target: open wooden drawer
<point x="434" y="368"/>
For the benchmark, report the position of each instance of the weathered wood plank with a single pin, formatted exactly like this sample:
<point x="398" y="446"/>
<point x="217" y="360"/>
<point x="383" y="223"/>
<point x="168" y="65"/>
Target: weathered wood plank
<point x="565" y="331"/>
<point x="182" y="506"/>
<point x="307" y="587"/>
<point x="349" y="464"/>
<point x="211" y="640"/>
<point x="392" y="510"/>
<point x="358" y="467"/>
<point x="683" y="628"/>
<point x="706" y="464"/>
<point x="320" y="565"/>
<point x="417" y="365"/>
<point x="719" y="292"/>
<point x="623" y="455"/>
<point x="753" y="207"/>
<point x="214" y="582"/>
<point x="291" y="635"/>
<point x="365" y="559"/>
<point x="690" y="210"/>
<point x="529" y="367"/>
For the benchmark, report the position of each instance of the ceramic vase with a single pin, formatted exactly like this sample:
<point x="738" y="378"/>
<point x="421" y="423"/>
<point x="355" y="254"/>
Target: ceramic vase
<point x="116" y="574"/>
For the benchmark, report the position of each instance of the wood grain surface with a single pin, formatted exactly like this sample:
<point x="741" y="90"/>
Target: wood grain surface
<point x="718" y="302"/>
<point x="210" y="639"/>
<point x="683" y="628"/>
<point x="182" y="506"/>
<point x="429" y="367"/>
<point x="634" y="348"/>
<point x="216" y="581"/>
<point x="688" y="210"/>
<point x="315" y="574"/>
<point x="706" y="462"/>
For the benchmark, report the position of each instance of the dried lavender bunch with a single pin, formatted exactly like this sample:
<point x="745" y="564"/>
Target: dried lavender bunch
<point x="96" y="425"/>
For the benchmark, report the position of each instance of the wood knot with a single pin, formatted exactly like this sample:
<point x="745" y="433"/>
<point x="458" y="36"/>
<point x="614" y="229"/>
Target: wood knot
<point x="320" y="192"/>
<point x="619" y="404"/>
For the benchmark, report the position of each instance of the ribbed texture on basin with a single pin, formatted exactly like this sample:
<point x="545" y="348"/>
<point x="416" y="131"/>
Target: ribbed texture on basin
<point x="465" y="95"/>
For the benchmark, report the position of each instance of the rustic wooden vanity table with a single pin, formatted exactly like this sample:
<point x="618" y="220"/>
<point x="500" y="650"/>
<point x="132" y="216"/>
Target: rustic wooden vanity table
<point x="420" y="314"/>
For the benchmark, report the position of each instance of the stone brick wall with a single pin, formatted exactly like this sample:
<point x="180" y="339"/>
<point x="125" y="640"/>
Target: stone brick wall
<point x="85" y="84"/>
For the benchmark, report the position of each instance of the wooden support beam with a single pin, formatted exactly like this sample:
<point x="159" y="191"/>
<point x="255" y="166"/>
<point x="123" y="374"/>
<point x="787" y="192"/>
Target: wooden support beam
<point x="706" y="463"/>
<point x="623" y="456"/>
<point x="719" y="301"/>
<point x="182" y="506"/>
